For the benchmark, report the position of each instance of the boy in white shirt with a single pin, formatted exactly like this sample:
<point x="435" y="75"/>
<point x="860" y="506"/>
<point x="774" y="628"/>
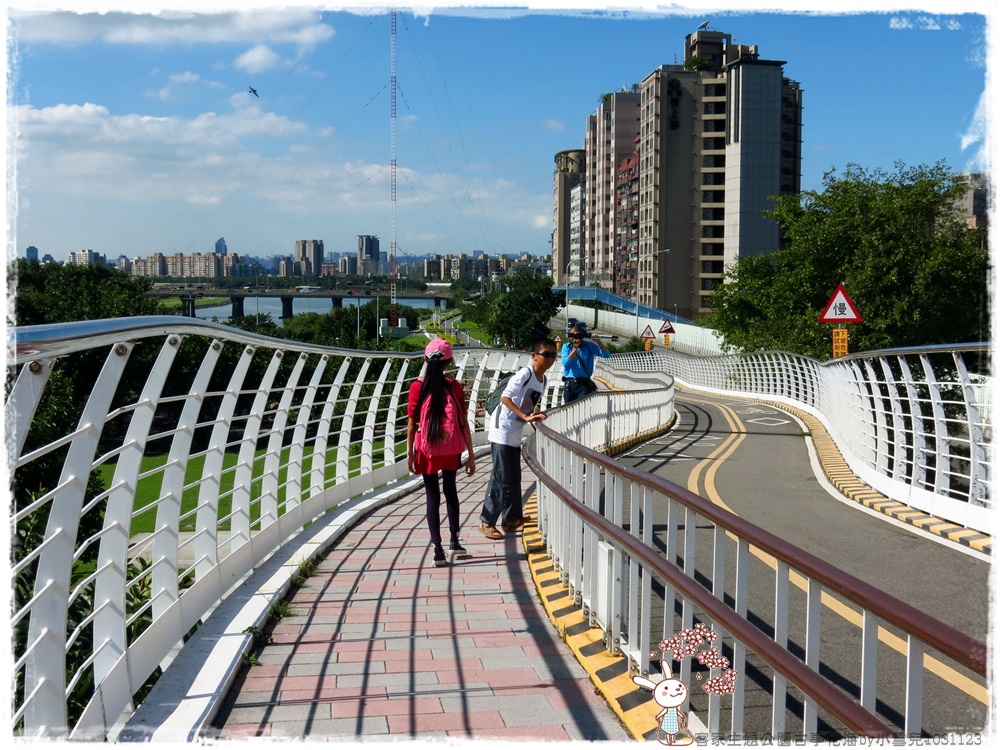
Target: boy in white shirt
<point x="523" y="393"/>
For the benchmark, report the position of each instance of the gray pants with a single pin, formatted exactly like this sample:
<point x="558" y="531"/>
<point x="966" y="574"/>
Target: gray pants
<point x="503" y="495"/>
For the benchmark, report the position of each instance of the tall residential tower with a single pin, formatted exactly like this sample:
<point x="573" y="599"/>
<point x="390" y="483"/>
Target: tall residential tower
<point x="611" y="133"/>
<point x="681" y="168"/>
<point x="720" y="137"/>
<point x="568" y="175"/>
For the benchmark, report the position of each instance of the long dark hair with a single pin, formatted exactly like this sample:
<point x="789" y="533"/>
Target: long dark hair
<point x="435" y="387"/>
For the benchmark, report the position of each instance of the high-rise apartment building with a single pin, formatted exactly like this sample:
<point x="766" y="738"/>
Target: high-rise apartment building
<point x="348" y="265"/>
<point x="176" y="264"/>
<point x="626" y="223"/>
<point x="680" y="170"/>
<point x="611" y="133"/>
<point x="309" y="256"/>
<point x="974" y="205"/>
<point x="720" y="136"/>
<point x="203" y="265"/>
<point x="577" y="234"/>
<point x="432" y="267"/>
<point x="368" y="255"/>
<point x="568" y="175"/>
<point x="86" y="258"/>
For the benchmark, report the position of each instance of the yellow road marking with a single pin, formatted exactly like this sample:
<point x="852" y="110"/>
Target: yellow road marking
<point x="713" y="461"/>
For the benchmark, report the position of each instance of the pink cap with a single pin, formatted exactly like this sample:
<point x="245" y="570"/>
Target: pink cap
<point x="438" y="349"/>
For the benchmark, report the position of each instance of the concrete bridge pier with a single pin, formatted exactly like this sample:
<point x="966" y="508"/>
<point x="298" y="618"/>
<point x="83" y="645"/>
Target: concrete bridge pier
<point x="237" y="307"/>
<point x="187" y="305"/>
<point x="286" y="307"/>
<point x="337" y="301"/>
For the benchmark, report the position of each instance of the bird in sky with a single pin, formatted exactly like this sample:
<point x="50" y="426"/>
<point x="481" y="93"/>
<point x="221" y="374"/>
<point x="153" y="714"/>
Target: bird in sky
<point x="253" y="91"/>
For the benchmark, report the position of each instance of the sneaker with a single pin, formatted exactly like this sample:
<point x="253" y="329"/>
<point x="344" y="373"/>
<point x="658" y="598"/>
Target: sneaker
<point x="440" y="558"/>
<point x="457" y="548"/>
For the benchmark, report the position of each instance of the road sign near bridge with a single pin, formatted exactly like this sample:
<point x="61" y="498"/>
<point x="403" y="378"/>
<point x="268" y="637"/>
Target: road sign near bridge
<point x="840" y="309"/>
<point x="648" y="333"/>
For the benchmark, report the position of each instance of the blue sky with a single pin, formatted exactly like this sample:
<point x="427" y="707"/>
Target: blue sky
<point x="132" y="134"/>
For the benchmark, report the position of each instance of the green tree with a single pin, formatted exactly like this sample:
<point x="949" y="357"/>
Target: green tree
<point x="347" y="327"/>
<point x="519" y="313"/>
<point x="51" y="293"/>
<point x="913" y="268"/>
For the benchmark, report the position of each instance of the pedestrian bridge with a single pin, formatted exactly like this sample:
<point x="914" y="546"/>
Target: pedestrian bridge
<point x="162" y="465"/>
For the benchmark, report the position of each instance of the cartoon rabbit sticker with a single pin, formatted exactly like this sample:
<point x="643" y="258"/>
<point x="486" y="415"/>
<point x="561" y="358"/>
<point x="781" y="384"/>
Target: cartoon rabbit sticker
<point x="669" y="693"/>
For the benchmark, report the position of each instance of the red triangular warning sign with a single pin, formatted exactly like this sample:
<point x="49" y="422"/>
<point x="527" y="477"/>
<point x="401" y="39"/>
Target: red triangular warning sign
<point x="666" y="327"/>
<point x="840" y="309"/>
<point x="648" y="333"/>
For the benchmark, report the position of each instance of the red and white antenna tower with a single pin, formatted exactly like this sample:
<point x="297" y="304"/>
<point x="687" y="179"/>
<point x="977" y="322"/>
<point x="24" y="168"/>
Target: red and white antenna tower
<point x="392" y="239"/>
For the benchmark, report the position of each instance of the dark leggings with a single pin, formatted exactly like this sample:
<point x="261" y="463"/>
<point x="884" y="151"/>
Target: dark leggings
<point x="433" y="492"/>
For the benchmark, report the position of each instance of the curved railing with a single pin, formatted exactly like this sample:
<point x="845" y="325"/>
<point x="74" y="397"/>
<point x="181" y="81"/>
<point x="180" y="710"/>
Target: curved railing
<point x="912" y="423"/>
<point x="156" y="462"/>
<point x="601" y="519"/>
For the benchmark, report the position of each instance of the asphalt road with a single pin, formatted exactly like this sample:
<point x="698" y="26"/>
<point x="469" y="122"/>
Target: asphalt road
<point x="754" y="459"/>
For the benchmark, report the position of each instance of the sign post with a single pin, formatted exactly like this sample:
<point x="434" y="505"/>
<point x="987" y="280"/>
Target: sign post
<point x="647" y="337"/>
<point x="840" y="309"/>
<point x="666" y="329"/>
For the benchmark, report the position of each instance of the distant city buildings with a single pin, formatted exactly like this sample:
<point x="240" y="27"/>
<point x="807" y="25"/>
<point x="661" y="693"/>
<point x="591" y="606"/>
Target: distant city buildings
<point x="309" y="259"/>
<point x="85" y="258"/>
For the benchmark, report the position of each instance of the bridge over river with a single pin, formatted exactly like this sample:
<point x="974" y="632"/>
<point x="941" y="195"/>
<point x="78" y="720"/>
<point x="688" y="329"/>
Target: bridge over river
<point x="237" y="297"/>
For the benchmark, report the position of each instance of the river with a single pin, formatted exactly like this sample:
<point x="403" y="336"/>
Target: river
<point x="272" y="306"/>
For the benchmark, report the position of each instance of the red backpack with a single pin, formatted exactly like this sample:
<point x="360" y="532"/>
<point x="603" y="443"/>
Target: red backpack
<point x="452" y="440"/>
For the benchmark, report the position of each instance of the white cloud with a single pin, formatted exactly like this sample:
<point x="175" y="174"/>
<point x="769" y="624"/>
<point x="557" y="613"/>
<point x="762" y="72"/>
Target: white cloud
<point x="303" y="27"/>
<point x="556" y="126"/>
<point x="186" y="77"/>
<point x="975" y="135"/>
<point x="257" y="60"/>
<point x="182" y="181"/>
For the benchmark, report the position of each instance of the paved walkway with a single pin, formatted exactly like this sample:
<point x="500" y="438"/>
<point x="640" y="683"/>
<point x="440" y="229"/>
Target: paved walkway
<point x="381" y="644"/>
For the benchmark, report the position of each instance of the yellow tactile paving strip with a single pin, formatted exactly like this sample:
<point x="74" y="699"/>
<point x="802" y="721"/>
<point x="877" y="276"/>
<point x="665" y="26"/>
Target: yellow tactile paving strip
<point x="633" y="706"/>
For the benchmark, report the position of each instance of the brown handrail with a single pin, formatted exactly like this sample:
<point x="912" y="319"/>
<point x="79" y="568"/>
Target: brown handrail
<point x="854" y="716"/>
<point x="960" y="646"/>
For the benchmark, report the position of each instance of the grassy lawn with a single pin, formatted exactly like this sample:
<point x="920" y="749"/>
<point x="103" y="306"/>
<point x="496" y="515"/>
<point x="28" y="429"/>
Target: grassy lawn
<point x="174" y="303"/>
<point x="148" y="489"/>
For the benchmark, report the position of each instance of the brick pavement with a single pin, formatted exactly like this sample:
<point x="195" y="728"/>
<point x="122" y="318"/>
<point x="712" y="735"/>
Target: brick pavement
<point x="380" y="644"/>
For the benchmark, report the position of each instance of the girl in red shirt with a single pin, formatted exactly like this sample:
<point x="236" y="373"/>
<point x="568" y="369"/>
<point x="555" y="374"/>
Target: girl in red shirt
<point x="438" y="387"/>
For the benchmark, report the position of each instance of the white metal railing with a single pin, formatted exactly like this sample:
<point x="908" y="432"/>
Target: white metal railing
<point x="911" y="423"/>
<point x="634" y="549"/>
<point x="157" y="461"/>
<point x="192" y="453"/>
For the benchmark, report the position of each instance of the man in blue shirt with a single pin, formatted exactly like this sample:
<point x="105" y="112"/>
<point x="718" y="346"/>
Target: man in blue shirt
<point x="578" y="362"/>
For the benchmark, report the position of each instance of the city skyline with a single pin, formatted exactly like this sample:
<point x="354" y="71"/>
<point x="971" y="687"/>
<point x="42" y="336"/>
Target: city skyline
<point x="139" y="134"/>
